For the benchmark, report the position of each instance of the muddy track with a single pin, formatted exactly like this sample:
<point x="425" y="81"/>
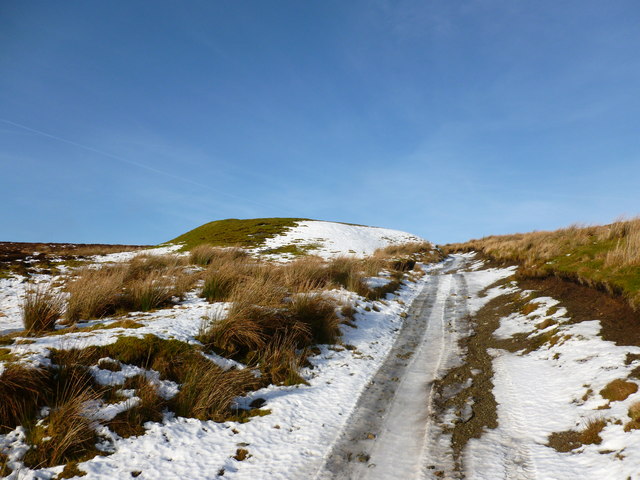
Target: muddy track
<point x="393" y="427"/>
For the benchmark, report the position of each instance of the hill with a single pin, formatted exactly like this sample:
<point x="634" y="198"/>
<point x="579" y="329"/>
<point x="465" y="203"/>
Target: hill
<point x="294" y="236"/>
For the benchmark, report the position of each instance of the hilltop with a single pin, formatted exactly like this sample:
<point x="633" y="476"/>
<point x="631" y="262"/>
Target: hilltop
<point x="291" y="237"/>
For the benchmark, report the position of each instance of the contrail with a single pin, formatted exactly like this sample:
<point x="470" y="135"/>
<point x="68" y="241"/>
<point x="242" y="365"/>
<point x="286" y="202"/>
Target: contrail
<point x="133" y="162"/>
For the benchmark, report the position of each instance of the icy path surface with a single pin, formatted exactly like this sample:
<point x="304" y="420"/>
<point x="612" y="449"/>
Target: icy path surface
<point x="390" y="435"/>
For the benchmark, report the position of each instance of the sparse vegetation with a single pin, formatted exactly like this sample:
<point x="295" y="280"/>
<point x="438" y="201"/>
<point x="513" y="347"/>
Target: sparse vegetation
<point x="148" y="408"/>
<point x="571" y="439"/>
<point x="634" y="414"/>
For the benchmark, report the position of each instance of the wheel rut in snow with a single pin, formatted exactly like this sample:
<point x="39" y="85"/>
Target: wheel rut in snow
<point x="392" y="428"/>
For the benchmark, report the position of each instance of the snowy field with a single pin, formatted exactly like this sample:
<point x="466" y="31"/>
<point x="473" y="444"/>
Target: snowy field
<point x="289" y="442"/>
<point x="556" y="388"/>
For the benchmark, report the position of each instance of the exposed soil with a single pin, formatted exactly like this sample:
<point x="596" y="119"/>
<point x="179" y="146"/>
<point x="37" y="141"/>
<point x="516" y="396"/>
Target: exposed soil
<point x="475" y="406"/>
<point x="620" y="323"/>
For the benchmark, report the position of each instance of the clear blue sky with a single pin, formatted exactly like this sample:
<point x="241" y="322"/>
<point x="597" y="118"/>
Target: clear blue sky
<point x="134" y="121"/>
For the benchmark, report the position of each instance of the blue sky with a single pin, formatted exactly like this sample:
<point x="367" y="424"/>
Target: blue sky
<point x="132" y="122"/>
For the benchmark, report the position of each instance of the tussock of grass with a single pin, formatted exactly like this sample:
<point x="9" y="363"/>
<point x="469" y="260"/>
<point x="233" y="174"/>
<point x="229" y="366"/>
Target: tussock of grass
<point x="318" y="314"/>
<point x="234" y="337"/>
<point x="348" y="272"/>
<point x="279" y="362"/>
<point x="207" y="391"/>
<point x="618" y="390"/>
<point x="570" y="440"/>
<point x="220" y="282"/>
<point x="152" y="291"/>
<point x="590" y="435"/>
<point x="95" y="293"/>
<point x="65" y="435"/>
<point x="41" y="307"/>
<point x="23" y="390"/>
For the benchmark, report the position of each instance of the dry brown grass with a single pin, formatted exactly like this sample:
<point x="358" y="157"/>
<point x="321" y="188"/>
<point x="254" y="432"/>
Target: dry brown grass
<point x="207" y="391"/>
<point x="66" y="434"/>
<point x="618" y="390"/>
<point x="141" y="266"/>
<point x="570" y="440"/>
<point x="279" y="362"/>
<point x="145" y="283"/>
<point x="94" y="293"/>
<point x="208" y="254"/>
<point x="153" y="290"/>
<point x="590" y="435"/>
<point x="23" y="390"/>
<point x="219" y="282"/>
<point x="626" y="253"/>
<point x="234" y="336"/>
<point x="41" y="307"/>
<point x="405" y="249"/>
<point x="634" y="414"/>
<point x="318" y="314"/>
<point x="606" y="257"/>
<point x="304" y="274"/>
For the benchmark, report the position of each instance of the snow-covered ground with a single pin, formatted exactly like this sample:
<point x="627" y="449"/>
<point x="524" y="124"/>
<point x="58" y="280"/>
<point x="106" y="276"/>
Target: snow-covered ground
<point x="329" y="239"/>
<point x="289" y="442"/>
<point x="554" y="389"/>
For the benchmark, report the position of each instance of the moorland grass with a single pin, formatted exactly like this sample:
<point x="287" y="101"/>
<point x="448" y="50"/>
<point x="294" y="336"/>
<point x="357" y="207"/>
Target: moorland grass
<point x="145" y="283"/>
<point x="41" y="308"/>
<point x="605" y="257"/>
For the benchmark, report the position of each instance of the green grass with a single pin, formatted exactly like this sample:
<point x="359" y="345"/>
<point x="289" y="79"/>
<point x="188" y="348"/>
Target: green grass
<point x="586" y="263"/>
<point x="234" y="232"/>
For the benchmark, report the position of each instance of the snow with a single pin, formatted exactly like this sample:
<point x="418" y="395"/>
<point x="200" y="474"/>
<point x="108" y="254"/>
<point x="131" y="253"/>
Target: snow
<point x="537" y="393"/>
<point x="289" y="442"/>
<point x="126" y="256"/>
<point x="546" y="391"/>
<point x="336" y="239"/>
